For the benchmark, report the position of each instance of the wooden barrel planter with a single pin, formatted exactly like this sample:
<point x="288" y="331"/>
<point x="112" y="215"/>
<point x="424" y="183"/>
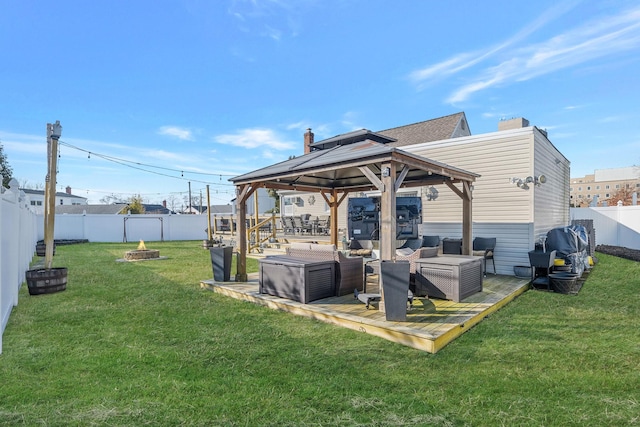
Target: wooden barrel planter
<point x="46" y="281"/>
<point x="41" y="248"/>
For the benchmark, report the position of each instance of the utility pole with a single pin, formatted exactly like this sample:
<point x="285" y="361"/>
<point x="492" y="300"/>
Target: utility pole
<point x="53" y="134"/>
<point x="190" y="205"/>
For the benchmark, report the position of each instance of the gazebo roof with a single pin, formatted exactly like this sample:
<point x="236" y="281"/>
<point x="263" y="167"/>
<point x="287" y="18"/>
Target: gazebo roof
<point x="340" y="167"/>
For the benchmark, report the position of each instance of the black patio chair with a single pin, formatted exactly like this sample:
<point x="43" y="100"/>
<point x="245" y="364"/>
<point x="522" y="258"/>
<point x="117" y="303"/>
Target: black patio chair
<point x="484" y="247"/>
<point x="430" y="241"/>
<point x="451" y="246"/>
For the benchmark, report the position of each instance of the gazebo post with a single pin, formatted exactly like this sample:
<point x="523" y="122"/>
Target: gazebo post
<point x="467" y="223"/>
<point x="388" y="212"/>
<point x="333" y="218"/>
<point x="243" y="192"/>
<point x="387" y="220"/>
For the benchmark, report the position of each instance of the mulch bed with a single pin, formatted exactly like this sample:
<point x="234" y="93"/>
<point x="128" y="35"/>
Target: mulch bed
<point x="619" y="251"/>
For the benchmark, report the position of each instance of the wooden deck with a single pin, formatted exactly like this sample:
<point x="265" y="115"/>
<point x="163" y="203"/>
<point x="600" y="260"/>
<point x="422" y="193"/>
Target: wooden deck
<point x="431" y="323"/>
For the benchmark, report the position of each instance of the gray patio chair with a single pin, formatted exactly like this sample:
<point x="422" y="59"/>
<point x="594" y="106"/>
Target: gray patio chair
<point x="484" y="247"/>
<point x="289" y="227"/>
<point x="323" y="224"/>
<point x="301" y="227"/>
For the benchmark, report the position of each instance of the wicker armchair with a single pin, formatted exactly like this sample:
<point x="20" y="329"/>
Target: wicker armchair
<point x="409" y="255"/>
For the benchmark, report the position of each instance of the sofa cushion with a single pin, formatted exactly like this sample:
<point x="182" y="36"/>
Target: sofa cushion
<point x="404" y="251"/>
<point x="322" y="248"/>
<point x="299" y="245"/>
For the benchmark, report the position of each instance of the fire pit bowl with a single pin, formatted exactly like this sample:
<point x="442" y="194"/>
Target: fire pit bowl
<point x="141" y="253"/>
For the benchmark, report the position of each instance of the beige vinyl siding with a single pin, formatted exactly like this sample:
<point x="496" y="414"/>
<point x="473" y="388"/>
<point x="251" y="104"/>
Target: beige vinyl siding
<point x="551" y="203"/>
<point x="500" y="209"/>
<point x="497" y="158"/>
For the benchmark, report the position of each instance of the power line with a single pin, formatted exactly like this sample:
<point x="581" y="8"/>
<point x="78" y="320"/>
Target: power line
<point x="137" y="166"/>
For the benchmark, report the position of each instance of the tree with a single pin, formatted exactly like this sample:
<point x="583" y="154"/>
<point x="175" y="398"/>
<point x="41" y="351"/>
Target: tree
<point x="624" y="194"/>
<point x="112" y="199"/>
<point x="135" y="205"/>
<point x="5" y="169"/>
<point x="173" y="202"/>
<point x="272" y="192"/>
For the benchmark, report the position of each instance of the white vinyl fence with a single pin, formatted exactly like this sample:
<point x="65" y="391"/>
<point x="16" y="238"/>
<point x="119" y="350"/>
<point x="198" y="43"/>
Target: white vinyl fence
<point x="17" y="245"/>
<point x="614" y="225"/>
<point x="127" y="228"/>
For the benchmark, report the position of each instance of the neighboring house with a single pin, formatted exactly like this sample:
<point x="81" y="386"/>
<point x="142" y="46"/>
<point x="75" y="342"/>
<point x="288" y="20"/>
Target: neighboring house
<point x="221" y="209"/>
<point x="113" y="209"/>
<point x="266" y="203"/>
<point x="162" y="209"/>
<point x="36" y="199"/>
<point x="518" y="213"/>
<point x="602" y="185"/>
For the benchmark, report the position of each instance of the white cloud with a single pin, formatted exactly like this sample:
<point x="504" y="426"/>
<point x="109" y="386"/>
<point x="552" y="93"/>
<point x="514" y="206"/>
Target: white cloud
<point x="255" y="138"/>
<point x="177" y="132"/>
<point x="604" y="36"/>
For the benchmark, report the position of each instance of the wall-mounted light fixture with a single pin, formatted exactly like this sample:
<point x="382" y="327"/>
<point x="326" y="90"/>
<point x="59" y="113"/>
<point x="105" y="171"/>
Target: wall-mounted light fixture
<point x="386" y="172"/>
<point x="530" y="180"/>
<point x="431" y="193"/>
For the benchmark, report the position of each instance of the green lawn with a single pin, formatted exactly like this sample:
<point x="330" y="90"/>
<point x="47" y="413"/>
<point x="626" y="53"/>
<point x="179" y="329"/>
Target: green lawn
<point x="142" y="344"/>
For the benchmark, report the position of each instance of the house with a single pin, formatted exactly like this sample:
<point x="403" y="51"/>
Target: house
<point x="36" y="199"/>
<point x="521" y="193"/>
<point x="601" y="186"/>
<point x="113" y="209"/>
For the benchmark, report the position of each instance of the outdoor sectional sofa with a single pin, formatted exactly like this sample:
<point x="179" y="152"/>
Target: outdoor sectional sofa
<point x="349" y="270"/>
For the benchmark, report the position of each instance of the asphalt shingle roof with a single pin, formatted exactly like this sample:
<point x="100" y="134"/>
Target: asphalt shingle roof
<point x="426" y="131"/>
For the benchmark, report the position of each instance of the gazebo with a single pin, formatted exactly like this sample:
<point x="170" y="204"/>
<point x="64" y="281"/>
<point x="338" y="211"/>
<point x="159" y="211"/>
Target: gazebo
<point x="355" y="162"/>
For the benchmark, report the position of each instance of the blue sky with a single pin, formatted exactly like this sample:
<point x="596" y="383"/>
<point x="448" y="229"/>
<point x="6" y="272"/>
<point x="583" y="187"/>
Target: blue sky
<point x="154" y="94"/>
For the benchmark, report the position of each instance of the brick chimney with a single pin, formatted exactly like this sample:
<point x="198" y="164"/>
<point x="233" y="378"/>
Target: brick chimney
<point x="164" y="204"/>
<point x="308" y="140"/>
<point x="68" y="190"/>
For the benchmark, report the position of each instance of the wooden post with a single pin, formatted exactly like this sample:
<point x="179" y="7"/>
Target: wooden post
<point x="333" y="219"/>
<point x="388" y="212"/>
<point x="387" y="220"/>
<point x="242" y="194"/>
<point x="209" y="235"/>
<point x="50" y="192"/>
<point x="467" y="223"/>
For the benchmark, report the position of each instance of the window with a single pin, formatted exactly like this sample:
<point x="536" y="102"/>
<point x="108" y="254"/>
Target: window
<point x="589" y="188"/>
<point x="617" y="185"/>
<point x="579" y="188"/>
<point x="61" y="202"/>
<point x="570" y="188"/>
<point x="607" y="195"/>
<point x="39" y="203"/>
<point x="606" y="187"/>
<point x="33" y="203"/>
